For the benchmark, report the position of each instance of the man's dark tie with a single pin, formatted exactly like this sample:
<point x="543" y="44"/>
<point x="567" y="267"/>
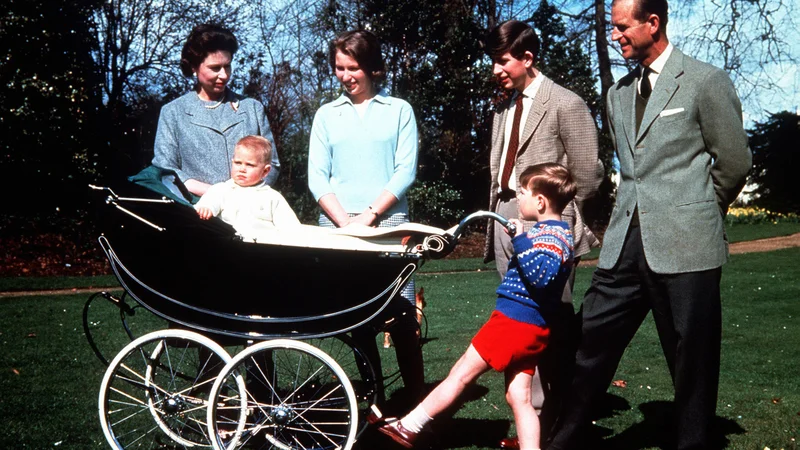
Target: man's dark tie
<point x="646" y="88"/>
<point x="641" y="99"/>
<point x="513" y="144"/>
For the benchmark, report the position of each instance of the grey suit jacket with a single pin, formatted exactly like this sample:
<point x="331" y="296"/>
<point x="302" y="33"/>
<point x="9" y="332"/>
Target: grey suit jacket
<point x="197" y="142"/>
<point x="683" y="168"/>
<point x="559" y="128"/>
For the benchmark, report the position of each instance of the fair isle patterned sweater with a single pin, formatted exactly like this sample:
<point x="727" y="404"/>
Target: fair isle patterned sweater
<point x="537" y="273"/>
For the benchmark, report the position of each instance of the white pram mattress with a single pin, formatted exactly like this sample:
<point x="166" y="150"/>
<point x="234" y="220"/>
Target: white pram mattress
<point x="408" y="237"/>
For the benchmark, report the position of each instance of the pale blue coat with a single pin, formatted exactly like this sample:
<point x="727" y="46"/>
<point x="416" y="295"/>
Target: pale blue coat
<point x="197" y="142"/>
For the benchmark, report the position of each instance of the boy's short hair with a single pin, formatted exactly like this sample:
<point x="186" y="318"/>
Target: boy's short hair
<point x="551" y="180"/>
<point x="514" y="37"/>
<point x="258" y="144"/>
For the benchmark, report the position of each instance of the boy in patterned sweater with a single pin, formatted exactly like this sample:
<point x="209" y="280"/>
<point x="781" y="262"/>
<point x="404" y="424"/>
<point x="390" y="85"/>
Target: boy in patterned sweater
<point x="517" y="331"/>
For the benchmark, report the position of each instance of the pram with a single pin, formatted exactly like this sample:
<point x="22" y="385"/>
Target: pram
<point x="180" y="388"/>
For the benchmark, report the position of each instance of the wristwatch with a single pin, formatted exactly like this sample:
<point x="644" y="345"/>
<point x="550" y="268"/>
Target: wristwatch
<point x="373" y="210"/>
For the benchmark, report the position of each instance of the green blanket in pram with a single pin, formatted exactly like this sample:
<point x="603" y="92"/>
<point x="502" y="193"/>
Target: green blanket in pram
<point x="164" y="182"/>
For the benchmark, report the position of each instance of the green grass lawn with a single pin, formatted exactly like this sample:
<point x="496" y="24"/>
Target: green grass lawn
<point x="740" y="233"/>
<point x="49" y="283"/>
<point x="50" y="378"/>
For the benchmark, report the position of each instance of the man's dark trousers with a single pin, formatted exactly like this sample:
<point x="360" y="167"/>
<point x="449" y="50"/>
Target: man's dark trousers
<point x="687" y="312"/>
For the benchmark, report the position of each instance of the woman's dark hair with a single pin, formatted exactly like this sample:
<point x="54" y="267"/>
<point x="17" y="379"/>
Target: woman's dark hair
<point x="363" y="46"/>
<point x="514" y="37"/>
<point x="205" y="39"/>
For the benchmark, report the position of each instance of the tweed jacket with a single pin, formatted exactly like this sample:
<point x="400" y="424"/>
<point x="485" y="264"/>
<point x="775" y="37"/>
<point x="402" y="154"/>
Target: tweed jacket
<point x="559" y="128"/>
<point x="197" y="142"/>
<point x="683" y="168"/>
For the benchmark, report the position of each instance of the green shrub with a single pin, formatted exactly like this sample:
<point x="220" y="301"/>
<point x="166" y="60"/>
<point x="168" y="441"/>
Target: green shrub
<point x="754" y="215"/>
<point x="432" y="202"/>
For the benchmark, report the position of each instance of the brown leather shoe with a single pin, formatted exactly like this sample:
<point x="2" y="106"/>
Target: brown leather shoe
<point x="512" y="443"/>
<point x="399" y="433"/>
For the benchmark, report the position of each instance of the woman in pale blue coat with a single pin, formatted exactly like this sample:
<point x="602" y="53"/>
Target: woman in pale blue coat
<point x="362" y="160"/>
<point x="198" y="131"/>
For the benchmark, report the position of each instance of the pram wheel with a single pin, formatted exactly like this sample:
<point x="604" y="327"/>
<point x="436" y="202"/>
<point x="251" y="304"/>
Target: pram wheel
<point x="358" y="369"/>
<point x="155" y="391"/>
<point x="297" y="397"/>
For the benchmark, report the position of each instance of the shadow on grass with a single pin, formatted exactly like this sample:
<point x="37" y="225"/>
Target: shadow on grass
<point x="446" y="434"/>
<point x="655" y="431"/>
<point x="400" y="402"/>
<point x="458" y="433"/>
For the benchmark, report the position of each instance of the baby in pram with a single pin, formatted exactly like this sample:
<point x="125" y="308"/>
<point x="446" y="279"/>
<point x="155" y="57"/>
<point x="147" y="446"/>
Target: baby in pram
<point x="260" y="214"/>
<point x="245" y="201"/>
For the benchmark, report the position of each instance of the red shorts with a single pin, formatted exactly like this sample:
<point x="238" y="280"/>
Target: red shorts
<point x="508" y="345"/>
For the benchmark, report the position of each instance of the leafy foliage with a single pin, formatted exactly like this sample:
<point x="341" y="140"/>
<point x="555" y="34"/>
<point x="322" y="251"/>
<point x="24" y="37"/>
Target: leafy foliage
<point x="434" y="200"/>
<point x="48" y="111"/>
<point x="776" y="162"/>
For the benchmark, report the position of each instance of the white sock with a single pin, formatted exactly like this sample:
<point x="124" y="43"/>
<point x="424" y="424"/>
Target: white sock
<point x="416" y="420"/>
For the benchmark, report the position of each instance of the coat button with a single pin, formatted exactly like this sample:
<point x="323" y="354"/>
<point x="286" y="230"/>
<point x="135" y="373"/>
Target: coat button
<point x="627" y="213"/>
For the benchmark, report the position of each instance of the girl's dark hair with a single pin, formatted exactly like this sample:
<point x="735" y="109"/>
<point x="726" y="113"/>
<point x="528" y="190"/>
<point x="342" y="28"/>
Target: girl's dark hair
<point x="205" y="39"/>
<point x="514" y="37"/>
<point x="363" y="46"/>
<point x="551" y="180"/>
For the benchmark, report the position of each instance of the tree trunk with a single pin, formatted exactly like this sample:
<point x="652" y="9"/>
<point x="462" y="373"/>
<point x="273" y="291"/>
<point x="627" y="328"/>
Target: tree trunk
<point x="603" y="60"/>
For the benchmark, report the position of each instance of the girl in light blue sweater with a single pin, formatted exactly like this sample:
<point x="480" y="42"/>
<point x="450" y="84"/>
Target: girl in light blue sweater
<point x="362" y="159"/>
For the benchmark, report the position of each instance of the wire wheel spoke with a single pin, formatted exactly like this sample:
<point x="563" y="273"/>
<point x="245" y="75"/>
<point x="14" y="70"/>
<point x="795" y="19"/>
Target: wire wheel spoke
<point x="296" y="397"/>
<point x="155" y="391"/>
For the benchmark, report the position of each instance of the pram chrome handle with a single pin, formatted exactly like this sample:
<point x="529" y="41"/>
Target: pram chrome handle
<point x="483" y="215"/>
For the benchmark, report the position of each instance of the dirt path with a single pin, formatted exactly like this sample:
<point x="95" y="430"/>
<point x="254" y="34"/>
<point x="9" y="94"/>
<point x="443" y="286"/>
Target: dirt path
<point x="766" y="245"/>
<point x="760" y="245"/>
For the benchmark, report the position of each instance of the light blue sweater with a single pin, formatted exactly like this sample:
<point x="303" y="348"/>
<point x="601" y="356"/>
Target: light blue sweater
<point x="356" y="158"/>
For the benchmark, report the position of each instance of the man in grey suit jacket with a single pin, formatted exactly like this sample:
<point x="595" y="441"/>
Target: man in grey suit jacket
<point x="677" y="128"/>
<point x="554" y="125"/>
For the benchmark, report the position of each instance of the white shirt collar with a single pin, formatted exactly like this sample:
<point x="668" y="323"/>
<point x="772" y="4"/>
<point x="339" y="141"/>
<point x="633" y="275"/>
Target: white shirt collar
<point x="658" y="65"/>
<point x="381" y="97"/>
<point x="533" y="88"/>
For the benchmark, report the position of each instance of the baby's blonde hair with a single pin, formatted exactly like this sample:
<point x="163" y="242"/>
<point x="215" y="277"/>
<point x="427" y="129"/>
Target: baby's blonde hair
<point x="258" y="144"/>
